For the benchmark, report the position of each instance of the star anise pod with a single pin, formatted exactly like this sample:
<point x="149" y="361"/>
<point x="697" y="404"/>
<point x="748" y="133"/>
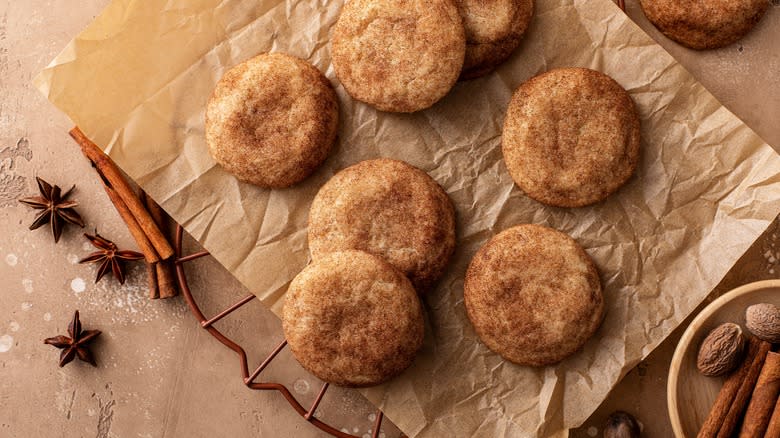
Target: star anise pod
<point x="109" y="257"/>
<point x="56" y="209"/>
<point x="75" y="345"/>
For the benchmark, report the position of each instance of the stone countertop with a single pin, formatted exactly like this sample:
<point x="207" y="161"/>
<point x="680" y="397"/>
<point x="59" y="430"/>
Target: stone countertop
<point x="159" y="373"/>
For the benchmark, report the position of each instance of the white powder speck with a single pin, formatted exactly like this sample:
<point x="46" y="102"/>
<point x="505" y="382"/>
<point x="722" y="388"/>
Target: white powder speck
<point x="11" y="259"/>
<point x="345" y="430"/>
<point x="86" y="246"/>
<point x="365" y="435"/>
<point x="91" y="412"/>
<point x="47" y="316"/>
<point x="355" y="430"/>
<point x="27" y="306"/>
<point x="14" y="326"/>
<point x="382" y="435"/>
<point x="301" y="386"/>
<point x="372" y="417"/>
<point x="78" y="285"/>
<point x="28" y="285"/>
<point x="73" y="259"/>
<point x="592" y="431"/>
<point x="6" y="342"/>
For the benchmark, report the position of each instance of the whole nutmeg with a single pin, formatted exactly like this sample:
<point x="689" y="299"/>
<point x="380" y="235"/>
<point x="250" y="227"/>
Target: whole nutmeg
<point x="721" y="351"/>
<point x="763" y="320"/>
<point x="621" y="425"/>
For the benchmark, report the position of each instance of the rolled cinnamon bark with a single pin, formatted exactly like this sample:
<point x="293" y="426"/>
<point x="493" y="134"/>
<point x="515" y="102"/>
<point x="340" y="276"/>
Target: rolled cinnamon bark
<point x="741" y="399"/>
<point x="773" y="431"/>
<point x="166" y="279"/>
<point x="154" y="289"/>
<point x="764" y="398"/>
<point x="757" y="350"/>
<point x="141" y="239"/>
<point x="117" y="182"/>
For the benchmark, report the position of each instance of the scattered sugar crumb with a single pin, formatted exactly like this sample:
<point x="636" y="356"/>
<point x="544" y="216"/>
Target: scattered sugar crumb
<point x="11" y="259"/>
<point x="78" y="285"/>
<point x="47" y="316"/>
<point x="28" y="285"/>
<point x="27" y="306"/>
<point x="6" y="342"/>
<point x="14" y="326"/>
<point x="73" y="259"/>
<point x="301" y="386"/>
<point x="592" y="431"/>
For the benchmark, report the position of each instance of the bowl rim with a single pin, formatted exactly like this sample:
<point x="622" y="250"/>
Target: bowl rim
<point x="687" y="337"/>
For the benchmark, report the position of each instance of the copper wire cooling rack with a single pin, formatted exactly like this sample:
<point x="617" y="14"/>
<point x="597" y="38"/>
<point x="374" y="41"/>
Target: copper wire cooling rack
<point x="250" y="379"/>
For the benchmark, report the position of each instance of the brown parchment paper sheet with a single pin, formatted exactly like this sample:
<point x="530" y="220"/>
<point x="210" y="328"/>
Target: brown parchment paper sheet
<point x="137" y="81"/>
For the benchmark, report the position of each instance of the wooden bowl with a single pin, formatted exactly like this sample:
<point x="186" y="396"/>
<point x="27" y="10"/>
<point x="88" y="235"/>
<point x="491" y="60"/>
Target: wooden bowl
<point x="690" y="394"/>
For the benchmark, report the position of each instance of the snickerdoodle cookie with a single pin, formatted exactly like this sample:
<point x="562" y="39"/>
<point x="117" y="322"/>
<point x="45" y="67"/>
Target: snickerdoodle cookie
<point x="352" y="319"/>
<point x="398" y="55"/>
<point x="494" y="29"/>
<point x="571" y="137"/>
<point x="533" y="295"/>
<point x="388" y="208"/>
<point x="272" y="120"/>
<point x="704" y="24"/>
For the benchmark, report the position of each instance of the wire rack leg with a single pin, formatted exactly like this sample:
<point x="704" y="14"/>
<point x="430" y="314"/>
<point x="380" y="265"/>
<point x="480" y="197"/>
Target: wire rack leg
<point x="313" y="408"/>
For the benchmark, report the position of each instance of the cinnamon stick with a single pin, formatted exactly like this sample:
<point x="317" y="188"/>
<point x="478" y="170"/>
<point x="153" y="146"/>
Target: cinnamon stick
<point x="136" y="231"/>
<point x="740" y="402"/>
<point x="166" y="279"/>
<point x="114" y="177"/>
<point x="154" y="288"/>
<point x="756" y="352"/>
<point x="764" y="398"/>
<point x="773" y="430"/>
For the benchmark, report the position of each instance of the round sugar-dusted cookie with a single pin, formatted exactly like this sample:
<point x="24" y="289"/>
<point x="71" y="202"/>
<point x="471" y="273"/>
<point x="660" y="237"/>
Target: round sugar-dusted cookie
<point x="571" y="137"/>
<point x="272" y="120"/>
<point x="398" y="55"/>
<point x="704" y="24"/>
<point x="494" y="29"/>
<point x="388" y="208"/>
<point x="352" y="319"/>
<point x="533" y="295"/>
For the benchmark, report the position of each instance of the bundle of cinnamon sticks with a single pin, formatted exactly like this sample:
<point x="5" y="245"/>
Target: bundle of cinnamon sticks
<point x="747" y="405"/>
<point x="145" y="219"/>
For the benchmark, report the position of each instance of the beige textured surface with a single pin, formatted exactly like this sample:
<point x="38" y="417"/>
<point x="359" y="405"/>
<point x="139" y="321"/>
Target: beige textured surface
<point x="398" y="55"/>
<point x="353" y="319"/>
<point x="147" y="388"/>
<point x="272" y="120"/>
<point x="533" y="295"/>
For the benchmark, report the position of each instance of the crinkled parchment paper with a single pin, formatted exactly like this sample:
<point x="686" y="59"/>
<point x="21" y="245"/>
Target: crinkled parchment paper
<point x="137" y="81"/>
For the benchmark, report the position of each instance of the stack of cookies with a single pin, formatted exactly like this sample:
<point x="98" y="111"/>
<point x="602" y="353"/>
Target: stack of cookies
<point x="380" y="232"/>
<point x="405" y="55"/>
